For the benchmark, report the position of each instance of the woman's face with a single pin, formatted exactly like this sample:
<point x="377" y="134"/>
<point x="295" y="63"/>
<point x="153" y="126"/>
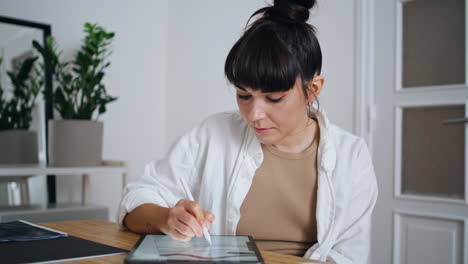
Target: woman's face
<point x="276" y="117"/>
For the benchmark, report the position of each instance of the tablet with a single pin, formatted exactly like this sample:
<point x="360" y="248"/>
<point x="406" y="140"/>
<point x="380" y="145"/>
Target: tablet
<point x="224" y="249"/>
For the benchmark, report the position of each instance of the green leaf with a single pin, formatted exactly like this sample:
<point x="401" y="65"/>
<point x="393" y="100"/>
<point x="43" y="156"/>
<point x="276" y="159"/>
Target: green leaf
<point x="78" y="84"/>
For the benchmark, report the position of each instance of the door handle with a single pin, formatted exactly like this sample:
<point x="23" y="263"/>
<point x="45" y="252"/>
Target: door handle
<point x="455" y="121"/>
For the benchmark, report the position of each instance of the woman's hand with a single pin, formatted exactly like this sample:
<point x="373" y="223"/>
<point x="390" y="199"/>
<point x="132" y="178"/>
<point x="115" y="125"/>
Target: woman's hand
<point x="186" y="220"/>
<point x="181" y="222"/>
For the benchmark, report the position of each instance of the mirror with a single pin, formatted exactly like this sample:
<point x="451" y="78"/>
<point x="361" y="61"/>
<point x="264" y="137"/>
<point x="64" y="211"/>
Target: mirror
<point x="16" y="38"/>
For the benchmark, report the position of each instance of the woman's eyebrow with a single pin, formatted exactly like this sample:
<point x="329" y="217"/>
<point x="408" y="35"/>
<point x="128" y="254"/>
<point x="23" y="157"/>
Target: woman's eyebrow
<point x="241" y="88"/>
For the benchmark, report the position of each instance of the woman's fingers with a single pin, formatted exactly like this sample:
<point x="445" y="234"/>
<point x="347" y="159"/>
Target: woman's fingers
<point x="195" y="209"/>
<point x="197" y="215"/>
<point x="178" y="236"/>
<point x="185" y="220"/>
<point x="172" y="227"/>
<point x="209" y="219"/>
<point x="190" y="222"/>
<point x="183" y="228"/>
<point x="209" y="216"/>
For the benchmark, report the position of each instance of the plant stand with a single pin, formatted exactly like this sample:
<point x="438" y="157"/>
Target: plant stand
<point x="59" y="212"/>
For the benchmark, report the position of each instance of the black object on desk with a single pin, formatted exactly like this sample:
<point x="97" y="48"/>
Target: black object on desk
<point x="21" y="242"/>
<point x="62" y="248"/>
<point x="25" y="231"/>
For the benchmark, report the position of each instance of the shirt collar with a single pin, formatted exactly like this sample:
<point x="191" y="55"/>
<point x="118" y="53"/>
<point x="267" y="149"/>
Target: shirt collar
<point x="326" y="156"/>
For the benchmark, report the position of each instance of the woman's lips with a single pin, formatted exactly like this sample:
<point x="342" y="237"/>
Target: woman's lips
<point x="262" y="130"/>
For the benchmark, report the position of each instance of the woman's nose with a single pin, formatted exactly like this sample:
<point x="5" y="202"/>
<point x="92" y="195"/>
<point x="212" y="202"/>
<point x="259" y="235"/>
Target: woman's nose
<point x="256" y="112"/>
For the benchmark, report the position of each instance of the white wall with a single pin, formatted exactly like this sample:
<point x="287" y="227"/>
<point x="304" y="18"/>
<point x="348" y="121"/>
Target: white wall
<point x="134" y="124"/>
<point x="335" y="21"/>
<point x="201" y="33"/>
<point x="167" y="69"/>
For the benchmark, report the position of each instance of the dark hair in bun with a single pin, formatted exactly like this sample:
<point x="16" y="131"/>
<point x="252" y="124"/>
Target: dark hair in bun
<point x="276" y="49"/>
<point x="288" y="11"/>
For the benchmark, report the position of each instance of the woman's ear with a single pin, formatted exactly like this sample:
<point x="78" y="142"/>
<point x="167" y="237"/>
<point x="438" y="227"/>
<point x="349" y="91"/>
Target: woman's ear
<point x="315" y="87"/>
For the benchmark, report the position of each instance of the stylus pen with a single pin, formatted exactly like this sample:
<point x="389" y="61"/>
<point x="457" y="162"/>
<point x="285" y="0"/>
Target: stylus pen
<point x="190" y="197"/>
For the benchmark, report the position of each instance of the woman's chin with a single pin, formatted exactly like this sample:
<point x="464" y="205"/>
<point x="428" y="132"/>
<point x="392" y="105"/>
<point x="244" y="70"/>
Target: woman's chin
<point x="266" y="140"/>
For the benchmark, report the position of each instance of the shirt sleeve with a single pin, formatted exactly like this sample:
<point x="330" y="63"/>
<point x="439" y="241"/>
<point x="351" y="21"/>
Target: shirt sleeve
<point x="352" y="244"/>
<point x="160" y="182"/>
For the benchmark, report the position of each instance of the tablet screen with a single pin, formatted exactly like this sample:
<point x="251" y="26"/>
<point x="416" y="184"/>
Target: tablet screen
<point x="224" y="249"/>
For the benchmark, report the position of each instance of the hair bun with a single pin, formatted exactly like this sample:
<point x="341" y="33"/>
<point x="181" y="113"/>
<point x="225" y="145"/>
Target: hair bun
<point x="292" y="11"/>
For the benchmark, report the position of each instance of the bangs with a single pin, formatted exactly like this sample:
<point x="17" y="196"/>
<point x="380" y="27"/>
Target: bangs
<point x="262" y="61"/>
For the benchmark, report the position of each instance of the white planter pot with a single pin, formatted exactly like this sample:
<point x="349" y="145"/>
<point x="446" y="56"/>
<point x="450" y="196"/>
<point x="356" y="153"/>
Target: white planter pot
<point x="75" y="143"/>
<point x="18" y="146"/>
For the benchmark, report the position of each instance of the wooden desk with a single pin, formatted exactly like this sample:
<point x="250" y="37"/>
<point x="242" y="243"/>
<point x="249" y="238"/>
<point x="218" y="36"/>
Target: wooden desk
<point x="109" y="233"/>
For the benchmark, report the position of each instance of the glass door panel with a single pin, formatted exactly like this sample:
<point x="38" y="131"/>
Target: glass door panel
<point x="433" y="43"/>
<point x="433" y="151"/>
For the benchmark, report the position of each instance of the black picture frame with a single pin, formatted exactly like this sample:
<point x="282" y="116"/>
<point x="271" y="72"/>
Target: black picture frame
<point x="47" y="31"/>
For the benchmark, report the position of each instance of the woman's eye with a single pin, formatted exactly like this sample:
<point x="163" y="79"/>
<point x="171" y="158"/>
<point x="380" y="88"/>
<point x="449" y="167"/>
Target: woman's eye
<point x="275" y="100"/>
<point x="243" y="97"/>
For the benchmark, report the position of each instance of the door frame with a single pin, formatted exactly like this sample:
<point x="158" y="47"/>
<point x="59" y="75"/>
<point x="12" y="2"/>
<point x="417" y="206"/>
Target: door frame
<point x="364" y="85"/>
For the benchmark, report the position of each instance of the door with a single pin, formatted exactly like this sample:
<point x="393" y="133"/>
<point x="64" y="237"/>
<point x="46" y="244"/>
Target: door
<point x="420" y="137"/>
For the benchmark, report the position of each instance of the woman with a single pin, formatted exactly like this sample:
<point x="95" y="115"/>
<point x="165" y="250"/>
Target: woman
<point x="277" y="169"/>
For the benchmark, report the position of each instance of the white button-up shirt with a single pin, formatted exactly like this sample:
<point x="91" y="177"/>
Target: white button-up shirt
<point x="218" y="159"/>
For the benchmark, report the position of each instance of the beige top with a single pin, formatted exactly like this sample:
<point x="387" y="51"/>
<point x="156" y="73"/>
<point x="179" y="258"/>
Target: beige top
<point x="279" y="209"/>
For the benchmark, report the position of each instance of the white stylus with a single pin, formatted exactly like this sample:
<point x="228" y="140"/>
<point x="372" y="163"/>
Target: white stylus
<point x="190" y="197"/>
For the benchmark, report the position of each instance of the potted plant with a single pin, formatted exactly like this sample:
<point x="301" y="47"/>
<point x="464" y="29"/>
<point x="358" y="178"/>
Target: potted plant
<point x="79" y="96"/>
<point x="17" y="142"/>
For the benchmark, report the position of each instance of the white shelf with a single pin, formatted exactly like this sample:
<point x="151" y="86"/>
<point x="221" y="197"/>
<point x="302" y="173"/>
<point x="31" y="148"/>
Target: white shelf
<point x="22" y="170"/>
<point x="15" y="172"/>
<point x="53" y="212"/>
